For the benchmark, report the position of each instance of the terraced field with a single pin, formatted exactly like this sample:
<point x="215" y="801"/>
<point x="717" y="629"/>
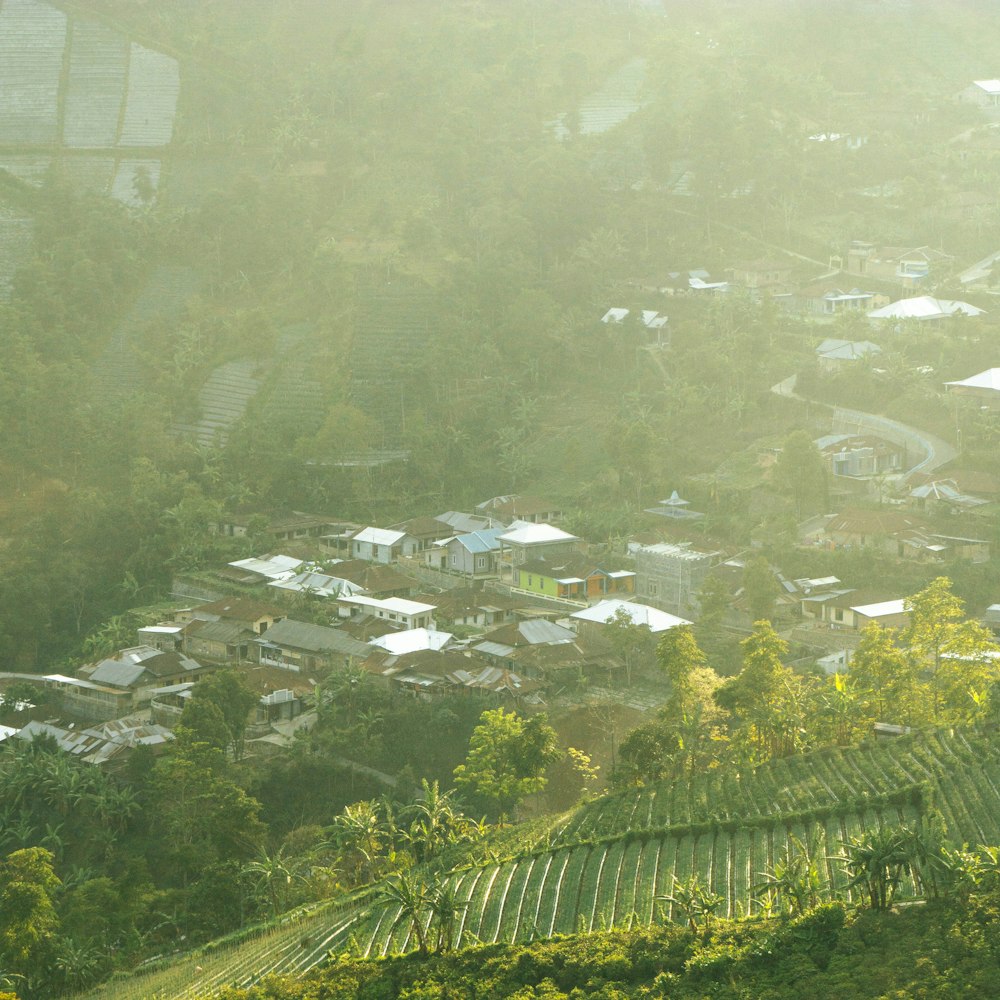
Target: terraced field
<point x="605" y="864"/>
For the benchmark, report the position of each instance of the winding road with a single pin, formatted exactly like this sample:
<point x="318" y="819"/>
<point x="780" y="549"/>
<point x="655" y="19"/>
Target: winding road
<point x="934" y="451"/>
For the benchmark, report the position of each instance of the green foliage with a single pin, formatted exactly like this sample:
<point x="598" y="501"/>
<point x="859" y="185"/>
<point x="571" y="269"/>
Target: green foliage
<point x="507" y="758"/>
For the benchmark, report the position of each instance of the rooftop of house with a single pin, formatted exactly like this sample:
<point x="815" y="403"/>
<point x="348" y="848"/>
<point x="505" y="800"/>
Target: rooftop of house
<point x="426" y="527"/>
<point x="379" y="536"/>
<point x="271" y="567"/>
<point x="575" y="568"/>
<point x="521" y="533"/>
<point x="856" y="521"/>
<point x="391" y="605"/>
<point x="244" y="609"/>
<point x="533" y="631"/>
<point x="315" y="638"/>
<point x="412" y="640"/>
<point x="847" y="350"/>
<point x="372" y="577"/>
<point x="925" y="307"/>
<point x="477" y="542"/>
<point x="989" y="379"/>
<point x="514" y="507"/>
<point x="639" y="614"/>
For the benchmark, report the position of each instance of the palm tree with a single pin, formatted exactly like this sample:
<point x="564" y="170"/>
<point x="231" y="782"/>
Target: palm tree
<point x="694" y="901"/>
<point x="414" y="901"/>
<point x="445" y="909"/>
<point x="794" y="881"/>
<point x="274" y="873"/>
<point x="359" y="828"/>
<point x="877" y="862"/>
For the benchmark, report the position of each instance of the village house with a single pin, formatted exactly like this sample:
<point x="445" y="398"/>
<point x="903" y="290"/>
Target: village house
<point x="944" y="495"/>
<point x="832" y="298"/>
<point x="595" y="620"/>
<point x="411" y="640"/>
<point x="500" y="645"/>
<point x="853" y="609"/>
<point x="530" y="510"/>
<point x="908" y="267"/>
<point x="281" y="525"/>
<point x="465" y="524"/>
<point x="860" y="456"/>
<point x="835" y="355"/>
<point x="400" y="612"/>
<point x="383" y="545"/>
<point x="254" y="615"/>
<point x="133" y="674"/>
<point x="221" y="641"/>
<point x="302" y="646"/>
<point x="374" y="579"/>
<point x="983" y="94"/>
<point x="573" y="578"/>
<point x="923" y="309"/>
<point x="982" y="389"/>
<point x="878" y="529"/>
<point x="474" y="555"/>
<point x="264" y="569"/>
<point x="524" y="541"/>
<point x="764" y="276"/>
<point x="426" y="530"/>
<point x="670" y="575"/>
<point x="108" y="745"/>
<point x="166" y="636"/>
<point x="474" y="607"/>
<point x="316" y="584"/>
<point x="87" y="700"/>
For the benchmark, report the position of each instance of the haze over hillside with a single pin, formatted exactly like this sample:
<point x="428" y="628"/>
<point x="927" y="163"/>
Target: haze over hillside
<point x="476" y="473"/>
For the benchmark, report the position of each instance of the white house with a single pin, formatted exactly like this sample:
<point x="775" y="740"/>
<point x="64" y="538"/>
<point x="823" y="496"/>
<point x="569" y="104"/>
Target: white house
<point x="382" y="545"/>
<point x="406" y="614"/>
<point x="639" y="614"/>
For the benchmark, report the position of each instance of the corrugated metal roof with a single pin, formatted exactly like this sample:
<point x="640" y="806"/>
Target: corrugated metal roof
<point x="534" y="534"/>
<point x="379" y="536"/>
<point x="318" y="638"/>
<point x="117" y="673"/>
<point x="538" y="630"/>
<point x="412" y="640"/>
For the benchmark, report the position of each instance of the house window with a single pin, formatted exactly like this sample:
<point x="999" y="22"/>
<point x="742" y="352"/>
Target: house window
<point x="480" y="562"/>
<point x="838" y="614"/>
<point x="653" y="588"/>
<point x="529" y="580"/>
<point x="454" y="559"/>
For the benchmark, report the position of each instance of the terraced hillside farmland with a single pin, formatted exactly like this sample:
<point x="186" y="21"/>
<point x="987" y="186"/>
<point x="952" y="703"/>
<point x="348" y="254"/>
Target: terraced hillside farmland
<point x="606" y="863"/>
<point x="68" y="84"/>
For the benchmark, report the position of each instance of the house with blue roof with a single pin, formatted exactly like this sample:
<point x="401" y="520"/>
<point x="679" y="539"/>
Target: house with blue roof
<point x="473" y="555"/>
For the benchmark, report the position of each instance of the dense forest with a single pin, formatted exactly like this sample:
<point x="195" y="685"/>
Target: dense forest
<point x="397" y="226"/>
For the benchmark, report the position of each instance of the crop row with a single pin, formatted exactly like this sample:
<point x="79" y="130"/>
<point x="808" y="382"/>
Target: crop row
<point x="820" y="780"/>
<point x="595" y="886"/>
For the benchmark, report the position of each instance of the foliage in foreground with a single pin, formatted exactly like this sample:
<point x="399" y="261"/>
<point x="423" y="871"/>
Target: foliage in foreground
<point x="937" y="950"/>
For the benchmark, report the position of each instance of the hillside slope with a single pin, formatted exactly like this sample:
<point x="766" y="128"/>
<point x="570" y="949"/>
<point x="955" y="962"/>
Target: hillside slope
<point x="604" y="864"/>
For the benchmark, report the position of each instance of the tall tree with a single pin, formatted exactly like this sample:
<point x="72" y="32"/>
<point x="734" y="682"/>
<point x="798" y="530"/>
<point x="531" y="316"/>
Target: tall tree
<point x="507" y="758"/>
<point x="29" y="923"/>
<point x="761" y="588"/>
<point x="955" y="651"/>
<point x="678" y="656"/>
<point x="800" y="473"/>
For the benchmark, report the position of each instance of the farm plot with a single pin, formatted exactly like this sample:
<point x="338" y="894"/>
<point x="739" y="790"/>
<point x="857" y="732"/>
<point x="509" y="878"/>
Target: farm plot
<point x="135" y="182"/>
<point x="98" y="67"/>
<point x="90" y="173"/>
<point x="151" y="101"/>
<point x="32" y="40"/>
<point x="27" y="167"/>
<point x="15" y="246"/>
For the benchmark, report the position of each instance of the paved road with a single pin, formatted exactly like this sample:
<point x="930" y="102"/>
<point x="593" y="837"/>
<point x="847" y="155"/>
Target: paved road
<point x="924" y="450"/>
